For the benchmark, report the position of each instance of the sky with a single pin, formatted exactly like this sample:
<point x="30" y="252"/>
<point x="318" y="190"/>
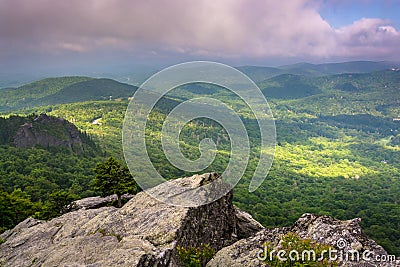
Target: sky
<point x="44" y="35"/>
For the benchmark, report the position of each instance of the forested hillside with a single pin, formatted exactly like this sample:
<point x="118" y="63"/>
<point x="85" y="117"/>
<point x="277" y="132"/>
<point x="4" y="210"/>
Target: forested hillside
<point x="62" y="90"/>
<point x="337" y="149"/>
<point x="45" y="163"/>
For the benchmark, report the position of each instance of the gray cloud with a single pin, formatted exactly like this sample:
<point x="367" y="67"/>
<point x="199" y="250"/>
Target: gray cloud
<point x="222" y="29"/>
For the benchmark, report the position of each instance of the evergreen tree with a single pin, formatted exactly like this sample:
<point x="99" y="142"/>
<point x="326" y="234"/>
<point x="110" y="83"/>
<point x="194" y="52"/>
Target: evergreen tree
<point x="14" y="208"/>
<point x="114" y="178"/>
<point x="57" y="204"/>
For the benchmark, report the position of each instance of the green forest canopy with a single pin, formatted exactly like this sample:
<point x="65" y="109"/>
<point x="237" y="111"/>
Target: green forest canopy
<point x="337" y="153"/>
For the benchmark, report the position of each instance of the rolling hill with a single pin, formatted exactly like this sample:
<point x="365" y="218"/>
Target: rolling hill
<point x="289" y="86"/>
<point x="259" y="74"/>
<point x="62" y="90"/>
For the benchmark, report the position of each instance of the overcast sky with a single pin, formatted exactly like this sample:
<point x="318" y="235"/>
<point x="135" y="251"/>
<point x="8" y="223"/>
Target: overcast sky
<point x="45" y="34"/>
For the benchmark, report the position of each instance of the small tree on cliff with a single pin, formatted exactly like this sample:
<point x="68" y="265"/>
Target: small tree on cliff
<point x="113" y="178"/>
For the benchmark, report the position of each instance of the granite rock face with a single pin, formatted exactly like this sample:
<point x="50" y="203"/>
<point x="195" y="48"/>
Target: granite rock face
<point x="48" y="131"/>
<point x="346" y="237"/>
<point x="96" y="202"/>
<point x="144" y="232"/>
<point x="147" y="232"/>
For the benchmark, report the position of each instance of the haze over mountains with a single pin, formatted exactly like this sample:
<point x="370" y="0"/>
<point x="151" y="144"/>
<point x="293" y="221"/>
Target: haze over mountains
<point x="137" y="74"/>
<point x="52" y="91"/>
<point x="261" y="73"/>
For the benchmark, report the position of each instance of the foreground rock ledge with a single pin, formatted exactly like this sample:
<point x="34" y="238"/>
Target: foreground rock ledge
<point x="322" y="229"/>
<point x="146" y="232"/>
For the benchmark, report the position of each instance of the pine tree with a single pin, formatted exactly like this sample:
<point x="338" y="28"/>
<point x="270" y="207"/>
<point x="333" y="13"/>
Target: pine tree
<point x="114" y="178"/>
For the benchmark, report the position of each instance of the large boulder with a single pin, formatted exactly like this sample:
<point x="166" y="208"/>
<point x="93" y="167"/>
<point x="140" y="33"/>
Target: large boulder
<point x="144" y="232"/>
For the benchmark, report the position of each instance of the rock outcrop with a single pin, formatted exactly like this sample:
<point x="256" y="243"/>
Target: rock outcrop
<point x="350" y="246"/>
<point x="147" y="232"/>
<point x="144" y="232"/>
<point x="47" y="131"/>
<point x="96" y="202"/>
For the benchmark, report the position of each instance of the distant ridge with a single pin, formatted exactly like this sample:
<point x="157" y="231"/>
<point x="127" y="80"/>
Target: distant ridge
<point x="259" y="73"/>
<point x="62" y="90"/>
<point x="337" y="68"/>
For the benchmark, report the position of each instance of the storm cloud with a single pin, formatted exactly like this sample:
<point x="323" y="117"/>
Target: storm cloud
<point x="223" y="29"/>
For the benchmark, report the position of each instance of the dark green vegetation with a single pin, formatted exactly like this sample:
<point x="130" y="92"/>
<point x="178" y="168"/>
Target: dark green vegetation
<point x="337" y="150"/>
<point x="42" y="180"/>
<point x="195" y="257"/>
<point x="292" y="242"/>
<point x="114" y="178"/>
<point x="288" y="86"/>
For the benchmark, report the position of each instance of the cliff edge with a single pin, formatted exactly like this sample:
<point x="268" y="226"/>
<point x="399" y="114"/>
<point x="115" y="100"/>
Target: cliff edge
<point x="48" y="131"/>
